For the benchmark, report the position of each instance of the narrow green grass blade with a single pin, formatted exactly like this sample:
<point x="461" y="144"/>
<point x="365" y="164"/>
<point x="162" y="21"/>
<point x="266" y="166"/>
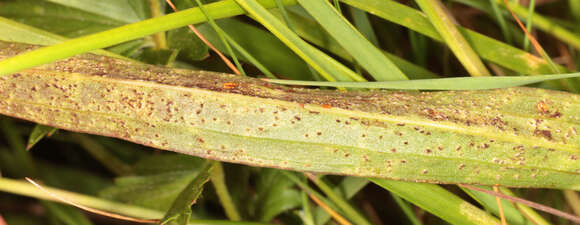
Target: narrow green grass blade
<point x="219" y="183"/>
<point x="455" y="83"/>
<point x="513" y="216"/>
<point x="221" y="35"/>
<point x="444" y="23"/>
<point x="367" y="55"/>
<point x="529" y="23"/>
<point x="348" y="188"/>
<point x="407" y="210"/>
<point x="13" y="31"/>
<point x="248" y="56"/>
<point x="545" y="24"/>
<point x="328" y="68"/>
<point x="118" y="35"/>
<point x="260" y="48"/>
<point x="431" y="198"/>
<point x="501" y="21"/>
<point x="363" y="24"/>
<point x="24" y="188"/>
<point x="315" y="34"/>
<point x="349" y="211"/>
<point x="488" y="48"/>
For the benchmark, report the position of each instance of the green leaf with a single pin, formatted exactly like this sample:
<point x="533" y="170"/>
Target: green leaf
<point x="487" y="48"/>
<point x="328" y="68"/>
<point x="311" y="31"/>
<point x="349" y="211"/>
<point x="17" y="32"/>
<point x="66" y="214"/>
<point x="154" y="56"/>
<point x="190" y="47"/>
<point x="180" y="210"/>
<point x="444" y="23"/>
<point x="127" y="11"/>
<point x="118" y="35"/>
<point x="56" y="18"/>
<point x="414" y="136"/>
<point x="348" y="187"/>
<point x="261" y="44"/>
<point x="363" y="51"/>
<point x="455" y="83"/>
<point x="275" y="194"/>
<point x="39" y="132"/>
<point x="512" y="214"/>
<point x="158" y="182"/>
<point x="438" y="201"/>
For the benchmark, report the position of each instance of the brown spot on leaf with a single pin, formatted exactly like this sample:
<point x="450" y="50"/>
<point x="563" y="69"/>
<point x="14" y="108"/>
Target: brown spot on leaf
<point x="543" y="133"/>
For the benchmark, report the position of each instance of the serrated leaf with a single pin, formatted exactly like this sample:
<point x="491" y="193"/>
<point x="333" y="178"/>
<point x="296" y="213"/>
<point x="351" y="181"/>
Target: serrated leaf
<point x="180" y="210"/>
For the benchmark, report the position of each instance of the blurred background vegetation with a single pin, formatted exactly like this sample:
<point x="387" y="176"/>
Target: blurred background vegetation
<point x="141" y="182"/>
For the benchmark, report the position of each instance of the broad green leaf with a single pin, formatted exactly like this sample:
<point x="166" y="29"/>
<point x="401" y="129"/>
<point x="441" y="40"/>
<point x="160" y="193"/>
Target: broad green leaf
<point x="154" y="56"/>
<point x="275" y="194"/>
<point x="190" y="47"/>
<point x="121" y="34"/>
<point x="480" y="137"/>
<point x="439" y="202"/>
<point x="158" y="182"/>
<point x="455" y="83"/>
<point x="17" y="32"/>
<point x="39" y="132"/>
<point x="56" y="18"/>
<point x="180" y="210"/>
<point x="127" y="11"/>
<point x="362" y="50"/>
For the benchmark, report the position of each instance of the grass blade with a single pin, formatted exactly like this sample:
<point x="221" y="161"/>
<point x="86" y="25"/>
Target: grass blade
<point x="363" y="51"/>
<point x="488" y="48"/>
<point x="444" y="23"/>
<point x="455" y="83"/>
<point x="328" y="68"/>
<point x="118" y="35"/>
<point x="431" y="197"/>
